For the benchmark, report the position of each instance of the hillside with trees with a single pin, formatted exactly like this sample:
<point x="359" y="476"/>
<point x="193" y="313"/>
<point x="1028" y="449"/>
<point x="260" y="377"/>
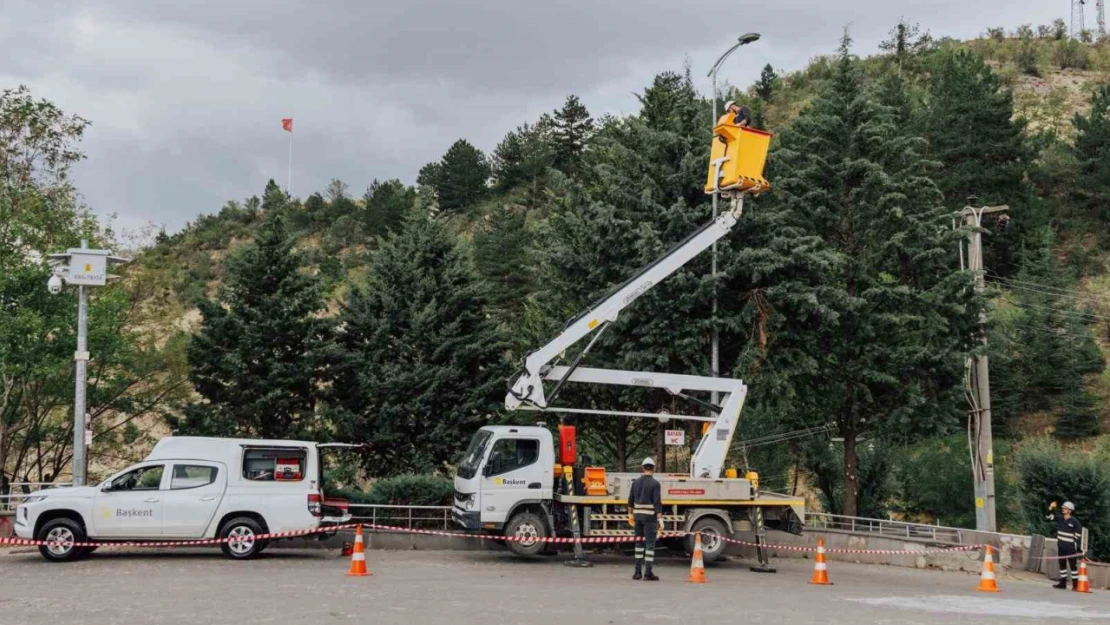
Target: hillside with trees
<point x="394" y="317"/>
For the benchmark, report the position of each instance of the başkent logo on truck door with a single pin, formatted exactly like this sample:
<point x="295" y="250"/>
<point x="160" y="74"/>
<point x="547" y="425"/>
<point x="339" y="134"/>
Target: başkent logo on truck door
<point x="128" y="513"/>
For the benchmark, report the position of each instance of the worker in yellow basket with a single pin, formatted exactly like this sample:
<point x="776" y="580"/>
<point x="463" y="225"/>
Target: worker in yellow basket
<point x="645" y="514"/>
<point x="736" y="114"/>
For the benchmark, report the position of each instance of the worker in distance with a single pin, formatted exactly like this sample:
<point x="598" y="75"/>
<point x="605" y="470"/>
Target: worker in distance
<point x="645" y="514"/>
<point x="1068" y="533"/>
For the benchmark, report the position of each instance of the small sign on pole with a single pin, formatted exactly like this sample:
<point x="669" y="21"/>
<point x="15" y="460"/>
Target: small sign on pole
<point x="88" y="270"/>
<point x="675" y="438"/>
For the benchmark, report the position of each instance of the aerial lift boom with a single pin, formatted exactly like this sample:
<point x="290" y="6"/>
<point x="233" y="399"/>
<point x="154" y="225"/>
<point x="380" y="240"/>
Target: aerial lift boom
<point x="528" y="391"/>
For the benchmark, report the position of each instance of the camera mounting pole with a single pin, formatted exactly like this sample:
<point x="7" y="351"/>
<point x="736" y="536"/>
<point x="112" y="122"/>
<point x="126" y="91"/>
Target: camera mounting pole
<point x="82" y="267"/>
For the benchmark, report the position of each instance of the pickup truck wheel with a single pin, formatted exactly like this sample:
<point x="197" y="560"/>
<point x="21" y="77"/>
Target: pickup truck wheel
<point x="524" y="532"/>
<point x="62" y="532"/>
<point x="244" y="546"/>
<point x="712" y="532"/>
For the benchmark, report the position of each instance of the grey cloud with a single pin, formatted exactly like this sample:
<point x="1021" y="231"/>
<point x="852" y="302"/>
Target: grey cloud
<point x="186" y="96"/>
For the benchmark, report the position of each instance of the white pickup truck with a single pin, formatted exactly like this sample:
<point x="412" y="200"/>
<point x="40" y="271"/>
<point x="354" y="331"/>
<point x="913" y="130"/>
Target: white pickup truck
<point x="189" y="488"/>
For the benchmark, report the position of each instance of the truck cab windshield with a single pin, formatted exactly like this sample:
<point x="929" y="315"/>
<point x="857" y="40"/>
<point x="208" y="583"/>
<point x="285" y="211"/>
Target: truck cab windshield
<point x="468" y="468"/>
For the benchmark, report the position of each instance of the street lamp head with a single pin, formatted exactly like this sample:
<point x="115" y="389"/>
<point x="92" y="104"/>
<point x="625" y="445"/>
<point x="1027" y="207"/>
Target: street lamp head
<point x="748" y="38"/>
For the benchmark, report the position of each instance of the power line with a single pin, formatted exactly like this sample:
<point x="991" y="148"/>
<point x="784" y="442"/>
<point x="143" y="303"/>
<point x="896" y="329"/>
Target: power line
<point x="1045" y="289"/>
<point x="1077" y="315"/>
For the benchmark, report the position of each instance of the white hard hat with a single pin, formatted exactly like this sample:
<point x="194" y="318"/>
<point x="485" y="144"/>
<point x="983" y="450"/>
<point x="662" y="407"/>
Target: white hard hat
<point x="1069" y="505"/>
<point x="648" y="462"/>
<point x="729" y="103"/>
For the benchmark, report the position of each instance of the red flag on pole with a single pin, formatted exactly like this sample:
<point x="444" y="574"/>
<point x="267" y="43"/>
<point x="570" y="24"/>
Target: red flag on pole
<point x="287" y="124"/>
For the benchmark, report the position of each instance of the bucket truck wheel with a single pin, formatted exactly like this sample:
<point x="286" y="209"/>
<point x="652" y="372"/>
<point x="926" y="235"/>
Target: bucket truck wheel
<point x="524" y="533"/>
<point x="712" y="532"/>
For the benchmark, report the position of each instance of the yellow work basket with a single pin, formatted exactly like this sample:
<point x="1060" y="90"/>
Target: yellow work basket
<point x="738" y="160"/>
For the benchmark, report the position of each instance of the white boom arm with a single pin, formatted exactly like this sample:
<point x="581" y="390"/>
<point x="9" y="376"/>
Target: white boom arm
<point x="527" y="391"/>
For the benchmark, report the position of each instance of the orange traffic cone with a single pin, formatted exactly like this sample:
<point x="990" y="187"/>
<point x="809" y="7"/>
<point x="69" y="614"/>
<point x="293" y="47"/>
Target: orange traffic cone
<point x="358" y="556"/>
<point x="1082" y="584"/>
<point x="697" y="564"/>
<point x="821" y="566"/>
<point x="987" y="581"/>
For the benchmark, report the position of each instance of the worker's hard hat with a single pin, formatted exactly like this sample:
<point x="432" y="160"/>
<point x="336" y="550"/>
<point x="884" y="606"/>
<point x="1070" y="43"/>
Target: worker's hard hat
<point x="1069" y="505"/>
<point x="729" y="104"/>
<point x="648" y="462"/>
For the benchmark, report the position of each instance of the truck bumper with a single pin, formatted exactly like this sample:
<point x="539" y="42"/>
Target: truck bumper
<point x="468" y="520"/>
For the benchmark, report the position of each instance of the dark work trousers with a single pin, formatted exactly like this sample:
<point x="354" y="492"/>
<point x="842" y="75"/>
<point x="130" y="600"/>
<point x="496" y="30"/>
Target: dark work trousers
<point x="1069" y="566"/>
<point x="646" y="532"/>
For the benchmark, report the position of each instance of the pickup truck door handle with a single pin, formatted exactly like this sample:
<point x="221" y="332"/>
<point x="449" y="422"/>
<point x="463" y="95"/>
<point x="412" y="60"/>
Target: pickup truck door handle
<point x="535" y="485"/>
<point x="151" y="500"/>
<point x="207" y="498"/>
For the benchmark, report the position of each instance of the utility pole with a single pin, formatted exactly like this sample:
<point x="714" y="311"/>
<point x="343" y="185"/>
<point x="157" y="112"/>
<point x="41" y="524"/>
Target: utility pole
<point x="82" y="267"/>
<point x="980" y="438"/>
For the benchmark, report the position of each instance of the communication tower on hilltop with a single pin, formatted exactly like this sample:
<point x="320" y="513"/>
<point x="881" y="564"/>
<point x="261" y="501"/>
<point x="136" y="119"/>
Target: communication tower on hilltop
<point x="1078" y="25"/>
<point x="1100" y="10"/>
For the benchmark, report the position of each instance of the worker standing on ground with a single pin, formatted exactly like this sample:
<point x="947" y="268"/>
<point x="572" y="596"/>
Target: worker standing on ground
<point x="1068" y="533"/>
<point x="645" y="513"/>
<point x="736" y="114"/>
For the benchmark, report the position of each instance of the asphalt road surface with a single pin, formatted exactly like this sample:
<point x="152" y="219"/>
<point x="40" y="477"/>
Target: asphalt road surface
<point x="457" y="588"/>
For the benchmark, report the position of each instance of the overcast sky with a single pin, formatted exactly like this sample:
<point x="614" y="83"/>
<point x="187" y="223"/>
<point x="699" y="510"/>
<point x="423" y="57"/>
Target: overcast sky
<point x="186" y="97"/>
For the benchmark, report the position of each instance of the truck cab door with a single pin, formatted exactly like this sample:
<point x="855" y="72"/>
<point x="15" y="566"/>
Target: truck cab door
<point x="512" y="473"/>
<point x="130" y="504"/>
<point x="195" y="491"/>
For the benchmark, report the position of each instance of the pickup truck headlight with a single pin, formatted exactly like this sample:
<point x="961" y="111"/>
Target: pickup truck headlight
<point x="34" y="499"/>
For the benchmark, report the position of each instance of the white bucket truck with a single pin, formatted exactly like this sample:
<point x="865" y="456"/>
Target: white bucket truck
<point x="513" y="483"/>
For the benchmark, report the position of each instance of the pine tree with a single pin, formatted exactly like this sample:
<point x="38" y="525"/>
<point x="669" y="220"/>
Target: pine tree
<point x="981" y="149"/>
<point x="768" y="82"/>
<point x="387" y="203"/>
<point x="670" y="103"/>
<point x="972" y="132"/>
<point x="571" y="131"/>
<point x="1092" y="151"/>
<point x="501" y="246"/>
<point x="429" y="175"/>
<point x="1049" y="349"/>
<point x="274" y="197"/>
<point x="262" y="349"/>
<point x="872" y="335"/>
<point x="638" y="193"/>
<point x="461" y="178"/>
<point x="522" y="158"/>
<point x="906" y="45"/>
<point x="421" y="365"/>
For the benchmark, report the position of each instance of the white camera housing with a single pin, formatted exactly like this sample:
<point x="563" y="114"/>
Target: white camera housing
<point x="54" y="284"/>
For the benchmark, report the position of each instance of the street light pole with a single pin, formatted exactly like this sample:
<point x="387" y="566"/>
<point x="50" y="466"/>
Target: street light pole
<point x="714" y="354"/>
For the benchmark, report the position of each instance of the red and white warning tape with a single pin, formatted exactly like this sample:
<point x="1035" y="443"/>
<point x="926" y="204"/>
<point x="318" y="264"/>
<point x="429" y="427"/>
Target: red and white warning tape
<point x="27" y="542"/>
<point x="589" y="540"/>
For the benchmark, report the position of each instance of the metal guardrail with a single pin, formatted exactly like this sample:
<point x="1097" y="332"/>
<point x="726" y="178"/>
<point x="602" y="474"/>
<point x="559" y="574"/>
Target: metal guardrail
<point x="16" y="491"/>
<point x="891" y="529"/>
<point x="410" y="517"/>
